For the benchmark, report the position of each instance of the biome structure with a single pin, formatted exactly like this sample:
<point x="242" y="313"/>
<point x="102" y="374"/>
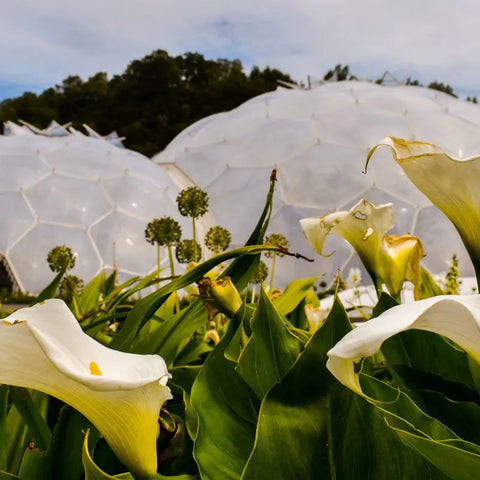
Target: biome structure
<point x="318" y="140"/>
<point x="61" y="187"/>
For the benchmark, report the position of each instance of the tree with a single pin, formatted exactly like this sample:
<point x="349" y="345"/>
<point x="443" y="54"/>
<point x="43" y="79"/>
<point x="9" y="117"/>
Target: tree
<point x="442" y="87"/>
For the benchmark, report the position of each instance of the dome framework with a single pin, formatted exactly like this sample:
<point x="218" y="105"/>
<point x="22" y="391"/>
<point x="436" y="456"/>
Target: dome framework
<point x="318" y="140"/>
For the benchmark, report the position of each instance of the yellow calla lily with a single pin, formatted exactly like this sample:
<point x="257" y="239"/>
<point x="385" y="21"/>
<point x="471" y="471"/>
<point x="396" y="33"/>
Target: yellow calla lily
<point x="44" y="348"/>
<point x="456" y="317"/>
<point x="388" y="258"/>
<point x="451" y="184"/>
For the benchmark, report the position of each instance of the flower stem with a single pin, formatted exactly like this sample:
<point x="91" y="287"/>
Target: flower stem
<point x="158" y="265"/>
<point x="194" y="239"/>
<point x="270" y="286"/>
<point x="170" y="259"/>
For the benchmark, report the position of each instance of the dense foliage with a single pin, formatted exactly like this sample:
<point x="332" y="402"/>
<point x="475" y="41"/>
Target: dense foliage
<point x="152" y="101"/>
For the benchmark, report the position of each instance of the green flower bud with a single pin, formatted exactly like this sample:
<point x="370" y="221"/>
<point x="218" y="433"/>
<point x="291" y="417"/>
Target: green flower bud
<point x="163" y="231"/>
<point x="262" y="272"/>
<point x="185" y="251"/>
<point x="278" y="240"/>
<point x="70" y="287"/>
<point x="218" y="239"/>
<point x="192" y="202"/>
<point x="61" y="257"/>
<point x="219" y="296"/>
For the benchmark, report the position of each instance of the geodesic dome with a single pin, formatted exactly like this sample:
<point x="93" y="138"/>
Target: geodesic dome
<point x="318" y="140"/>
<point x="60" y="187"/>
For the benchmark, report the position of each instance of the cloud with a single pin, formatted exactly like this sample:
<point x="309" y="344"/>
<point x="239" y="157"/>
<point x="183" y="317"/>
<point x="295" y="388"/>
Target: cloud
<point x="428" y="40"/>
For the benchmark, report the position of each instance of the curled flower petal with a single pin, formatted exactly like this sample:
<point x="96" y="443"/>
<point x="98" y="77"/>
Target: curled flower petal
<point x="451" y="184"/>
<point x="456" y="317"/>
<point x="44" y="348"/>
<point x="387" y="258"/>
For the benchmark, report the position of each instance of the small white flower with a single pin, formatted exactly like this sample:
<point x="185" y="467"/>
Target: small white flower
<point x="354" y="278"/>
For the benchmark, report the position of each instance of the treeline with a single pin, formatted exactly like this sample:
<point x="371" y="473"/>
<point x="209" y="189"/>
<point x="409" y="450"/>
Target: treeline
<point x="151" y="102"/>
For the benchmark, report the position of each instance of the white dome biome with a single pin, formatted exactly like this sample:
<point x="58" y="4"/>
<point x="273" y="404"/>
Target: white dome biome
<point x="60" y="187"/>
<point x="318" y="140"/>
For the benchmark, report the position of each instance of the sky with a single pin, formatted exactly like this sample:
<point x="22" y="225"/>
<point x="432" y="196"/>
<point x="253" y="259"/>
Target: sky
<point x="43" y="42"/>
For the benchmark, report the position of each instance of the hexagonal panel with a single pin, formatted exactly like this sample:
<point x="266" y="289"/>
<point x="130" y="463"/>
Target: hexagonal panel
<point x="121" y="237"/>
<point x="323" y="176"/>
<point x="20" y="171"/>
<point x="139" y="198"/>
<point x="68" y="200"/>
<point x="84" y="163"/>
<point x="28" y="258"/>
<point x="15" y="218"/>
<point x="237" y="198"/>
<point x="441" y="240"/>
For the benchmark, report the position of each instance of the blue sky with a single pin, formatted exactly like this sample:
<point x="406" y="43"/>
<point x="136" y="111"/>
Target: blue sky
<point x="44" y="42"/>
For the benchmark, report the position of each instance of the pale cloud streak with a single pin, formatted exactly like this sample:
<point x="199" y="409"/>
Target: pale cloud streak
<point x="44" y="42"/>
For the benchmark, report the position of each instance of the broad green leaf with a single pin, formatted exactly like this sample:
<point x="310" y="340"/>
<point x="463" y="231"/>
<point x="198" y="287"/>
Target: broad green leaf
<point x="226" y="409"/>
<point x="271" y="350"/>
<point x="312" y="427"/>
<point x="429" y="353"/>
<point x="385" y="302"/>
<point x="452" y="458"/>
<point x="192" y="352"/>
<point x="36" y="465"/>
<point x="293" y="439"/>
<point x="65" y="452"/>
<point x="8" y="476"/>
<point x="184" y="377"/>
<point x="293" y="295"/>
<point x="461" y="417"/>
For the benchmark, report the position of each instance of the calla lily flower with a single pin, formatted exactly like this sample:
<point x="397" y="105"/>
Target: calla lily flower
<point x="44" y="348"/>
<point x="456" y="317"/>
<point x="451" y="184"/>
<point x="388" y="258"/>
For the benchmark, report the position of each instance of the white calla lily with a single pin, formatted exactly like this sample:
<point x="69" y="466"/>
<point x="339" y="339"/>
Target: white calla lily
<point x="387" y="258"/>
<point x="456" y="317"/>
<point x="43" y="347"/>
<point x="451" y="184"/>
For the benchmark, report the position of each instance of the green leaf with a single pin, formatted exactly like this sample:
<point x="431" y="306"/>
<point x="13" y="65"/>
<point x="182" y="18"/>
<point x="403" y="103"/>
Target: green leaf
<point x="293" y="295"/>
<point x="428" y="287"/>
<point x="145" y="308"/>
<point x="461" y="417"/>
<point x="173" y="333"/>
<point x="429" y="353"/>
<point x="452" y="458"/>
<point x="4" y="433"/>
<point x="65" y="452"/>
<point x="292" y="440"/>
<point x="51" y="289"/>
<point x="32" y="415"/>
<point x="88" y="299"/>
<point x="227" y="414"/>
<point x="271" y="350"/>
<point x="242" y="269"/>
<point x="385" y="302"/>
<point x="36" y="465"/>
<point x="310" y="426"/>
<point x="8" y="476"/>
